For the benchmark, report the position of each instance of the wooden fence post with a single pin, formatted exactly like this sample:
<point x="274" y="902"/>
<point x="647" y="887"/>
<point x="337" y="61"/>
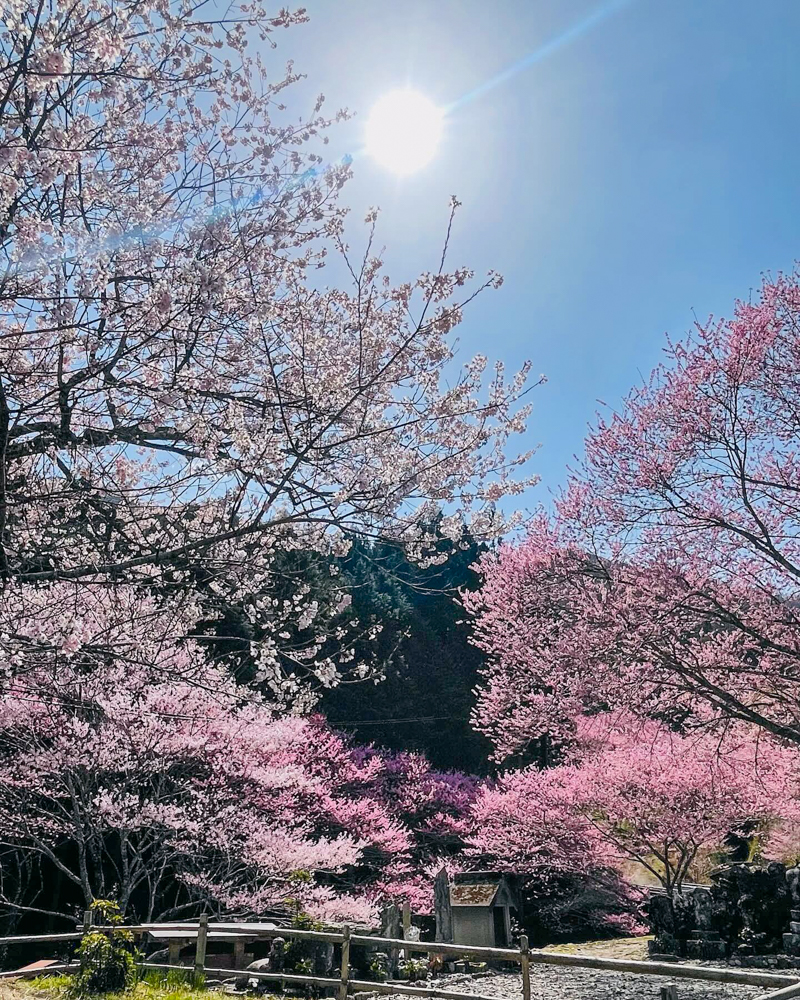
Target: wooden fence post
<point x="200" y="951"/>
<point x="345" y="974"/>
<point x="88" y="920"/>
<point x="406" y="928"/>
<point x="525" y="962"/>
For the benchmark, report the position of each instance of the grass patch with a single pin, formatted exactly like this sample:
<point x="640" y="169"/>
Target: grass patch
<point x="167" y="984"/>
<point x="630" y="948"/>
<point x="154" y="985"/>
<point x="45" y="984"/>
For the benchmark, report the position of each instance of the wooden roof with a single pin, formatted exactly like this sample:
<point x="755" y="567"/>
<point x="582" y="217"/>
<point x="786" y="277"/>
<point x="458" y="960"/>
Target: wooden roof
<point x="476" y="894"/>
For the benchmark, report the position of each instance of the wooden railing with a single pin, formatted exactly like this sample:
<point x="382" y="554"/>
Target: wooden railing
<point x="788" y="986"/>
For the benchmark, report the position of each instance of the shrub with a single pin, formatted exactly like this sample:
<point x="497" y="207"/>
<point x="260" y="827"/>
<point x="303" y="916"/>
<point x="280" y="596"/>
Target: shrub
<point x="413" y="969"/>
<point x="108" y="959"/>
<point x="378" y="967"/>
<point x="300" y="955"/>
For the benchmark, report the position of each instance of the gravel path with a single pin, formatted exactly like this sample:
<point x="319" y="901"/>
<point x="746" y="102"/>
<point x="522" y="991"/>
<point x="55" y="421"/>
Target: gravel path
<point x="550" y="982"/>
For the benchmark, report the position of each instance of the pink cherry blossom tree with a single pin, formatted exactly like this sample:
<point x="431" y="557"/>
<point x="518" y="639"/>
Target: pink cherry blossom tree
<point x="666" y="580"/>
<point x="132" y="767"/>
<point x="183" y="391"/>
<point x="128" y="780"/>
<point x="635" y="792"/>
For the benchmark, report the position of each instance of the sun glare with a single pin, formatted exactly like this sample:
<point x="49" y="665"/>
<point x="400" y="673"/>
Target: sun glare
<point x="403" y="131"/>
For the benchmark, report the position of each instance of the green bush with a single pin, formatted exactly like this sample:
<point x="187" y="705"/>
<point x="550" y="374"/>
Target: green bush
<point x="413" y="969"/>
<point x="299" y="955"/>
<point x="378" y="969"/>
<point x="108" y="959"/>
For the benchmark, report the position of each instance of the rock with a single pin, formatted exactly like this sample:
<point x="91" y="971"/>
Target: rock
<point x="707" y="947"/>
<point x="793" y="885"/>
<point x="703" y="906"/>
<point x="260" y="965"/>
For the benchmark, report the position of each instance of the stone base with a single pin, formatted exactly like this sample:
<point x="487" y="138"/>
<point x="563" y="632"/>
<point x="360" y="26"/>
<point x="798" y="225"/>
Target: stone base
<point x="765" y="961"/>
<point x="742" y="957"/>
<point x="705" y="949"/>
<point x="666" y="944"/>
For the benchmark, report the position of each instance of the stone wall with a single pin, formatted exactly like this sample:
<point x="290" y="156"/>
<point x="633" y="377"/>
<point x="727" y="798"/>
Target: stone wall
<point x="749" y="915"/>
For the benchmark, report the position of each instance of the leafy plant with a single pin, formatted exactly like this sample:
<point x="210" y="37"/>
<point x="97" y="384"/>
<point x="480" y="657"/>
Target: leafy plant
<point x="413" y="969"/>
<point x="378" y="968"/>
<point x="108" y="958"/>
<point x="299" y="954"/>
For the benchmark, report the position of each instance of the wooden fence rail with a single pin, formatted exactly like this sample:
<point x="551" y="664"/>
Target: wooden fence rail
<point x="784" y="994"/>
<point x="788" y="986"/>
<point x="365" y="985"/>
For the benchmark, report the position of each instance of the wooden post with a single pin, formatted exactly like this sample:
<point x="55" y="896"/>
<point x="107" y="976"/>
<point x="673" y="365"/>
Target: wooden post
<point x="88" y="920"/>
<point x="393" y="926"/>
<point x="406" y="928"/>
<point x="174" y="953"/>
<point x="200" y="951"/>
<point x="669" y="992"/>
<point x="345" y="973"/>
<point x="441" y="907"/>
<point x="238" y="954"/>
<point x="525" y="962"/>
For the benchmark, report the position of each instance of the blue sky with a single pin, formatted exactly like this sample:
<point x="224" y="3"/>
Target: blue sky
<point x="644" y="170"/>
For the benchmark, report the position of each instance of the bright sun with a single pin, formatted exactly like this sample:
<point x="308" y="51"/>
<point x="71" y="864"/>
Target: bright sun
<point x="403" y="131"/>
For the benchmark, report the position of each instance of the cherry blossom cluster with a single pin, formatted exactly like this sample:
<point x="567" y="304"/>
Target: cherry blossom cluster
<point x="136" y="769"/>
<point x="184" y="390"/>
<point x="633" y="791"/>
<point x="665" y="582"/>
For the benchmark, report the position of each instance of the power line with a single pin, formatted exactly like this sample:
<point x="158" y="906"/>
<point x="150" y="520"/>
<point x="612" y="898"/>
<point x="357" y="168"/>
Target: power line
<point x="136" y="711"/>
<point x="381" y="722"/>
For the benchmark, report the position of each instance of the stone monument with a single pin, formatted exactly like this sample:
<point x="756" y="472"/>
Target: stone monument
<point x="791" y="939"/>
<point x="705" y="941"/>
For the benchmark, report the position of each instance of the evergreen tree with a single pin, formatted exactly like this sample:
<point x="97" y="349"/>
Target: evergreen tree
<point x="428" y="663"/>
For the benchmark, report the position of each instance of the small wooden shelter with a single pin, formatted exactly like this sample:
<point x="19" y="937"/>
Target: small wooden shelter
<point x="475" y="909"/>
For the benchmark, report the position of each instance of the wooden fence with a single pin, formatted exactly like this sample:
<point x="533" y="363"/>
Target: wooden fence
<point x="788" y="986"/>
